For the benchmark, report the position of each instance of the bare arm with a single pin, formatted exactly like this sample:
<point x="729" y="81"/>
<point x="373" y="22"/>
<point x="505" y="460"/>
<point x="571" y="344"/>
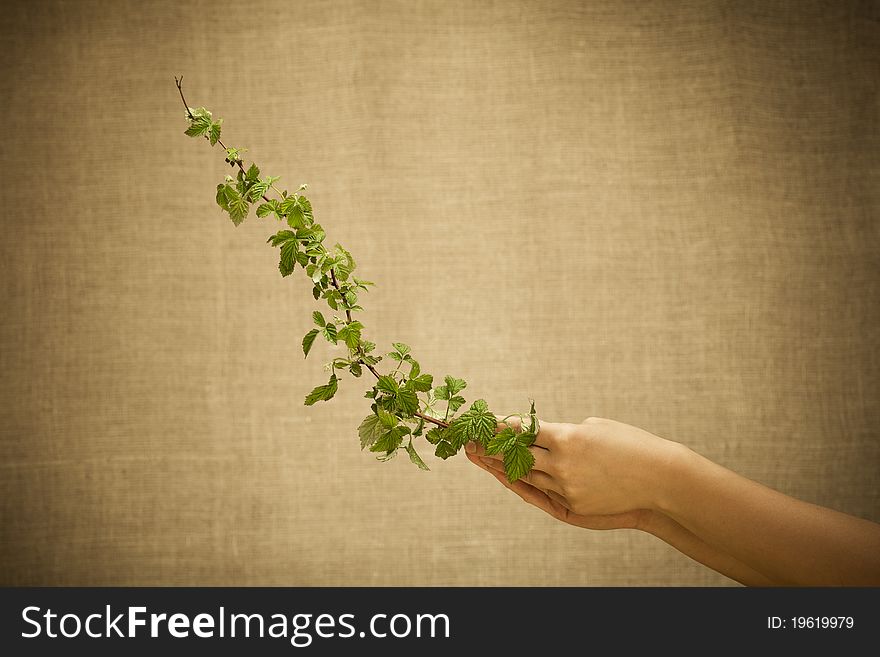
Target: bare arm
<point x="791" y="541"/>
<point x="603" y="474"/>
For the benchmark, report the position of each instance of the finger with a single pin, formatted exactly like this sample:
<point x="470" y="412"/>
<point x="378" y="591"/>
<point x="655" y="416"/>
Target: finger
<point x="546" y="430"/>
<point x="543" y="458"/>
<point x="536" y="478"/>
<point x="553" y="495"/>
<point x="533" y="496"/>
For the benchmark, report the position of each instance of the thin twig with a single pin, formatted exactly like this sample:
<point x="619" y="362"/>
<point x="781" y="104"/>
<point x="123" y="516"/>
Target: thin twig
<point x="333" y="281"/>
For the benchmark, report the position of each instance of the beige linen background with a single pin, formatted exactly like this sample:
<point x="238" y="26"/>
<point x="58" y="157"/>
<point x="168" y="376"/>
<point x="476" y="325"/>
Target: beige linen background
<point x="659" y="212"/>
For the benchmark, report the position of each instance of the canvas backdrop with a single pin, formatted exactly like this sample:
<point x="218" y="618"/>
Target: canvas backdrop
<point x="664" y="213"/>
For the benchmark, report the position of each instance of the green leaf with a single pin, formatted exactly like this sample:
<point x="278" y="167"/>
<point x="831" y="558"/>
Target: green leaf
<point x="456" y="402"/>
<point x="415" y="458"/>
<point x="256" y="191"/>
<point x="355" y="369"/>
<point x="435" y="435"/>
<point x="214" y="131"/>
<point x="305" y="207"/>
<point x="454" y="386"/>
<point x="329" y="332"/>
<point x="309" y="340"/>
<point x="390" y="440"/>
<point x="517" y="462"/>
<point x="295" y="217"/>
<point x="200" y="122"/>
<point x="502" y="441"/>
<point x="288" y="258"/>
<point x="253" y="173"/>
<point x="351" y="334"/>
<point x="233" y="155"/>
<point x="238" y="210"/>
<point x="402" y="349"/>
<point x="265" y="209"/>
<point x="389" y="420"/>
<point x="280" y="237"/>
<point x="323" y="393"/>
<point x="370" y="430"/>
<point x="445" y="450"/>
<point x="441" y="392"/>
<point x="386" y="383"/>
<point x="319" y="318"/>
<point x="533" y="419"/>
<point x="422" y="383"/>
<point x="407" y="401"/>
<point x="477" y="424"/>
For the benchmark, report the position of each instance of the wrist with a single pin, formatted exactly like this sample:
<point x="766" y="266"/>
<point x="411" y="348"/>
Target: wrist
<point x="672" y="468"/>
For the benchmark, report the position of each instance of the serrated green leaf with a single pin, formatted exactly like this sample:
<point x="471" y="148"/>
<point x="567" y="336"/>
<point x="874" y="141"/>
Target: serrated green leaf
<point x="306" y="207"/>
<point x="369" y="430"/>
<point x="355" y="369"/>
<point x="287" y="260"/>
<point x="441" y="392"/>
<point x="477" y="424"/>
<point x="456" y="402"/>
<point x="265" y="209"/>
<point x="401" y="348"/>
<point x="351" y="334"/>
<point x="407" y="401"/>
<point x="454" y="386"/>
<point x="280" y="237"/>
<point x="390" y="440"/>
<point x="422" y="382"/>
<point x="309" y="340"/>
<point x="319" y="318"/>
<point x="214" y="131"/>
<point x="200" y="123"/>
<point x="386" y="383"/>
<point x="445" y="450"/>
<point x="501" y="441"/>
<point x="389" y="420"/>
<point x="517" y="462"/>
<point x="253" y="173"/>
<point x="222" y="198"/>
<point x="435" y="435"/>
<point x="329" y="332"/>
<point x="255" y="192"/>
<point x="415" y="458"/>
<point x="295" y="217"/>
<point x="323" y="393"/>
<point x="238" y="210"/>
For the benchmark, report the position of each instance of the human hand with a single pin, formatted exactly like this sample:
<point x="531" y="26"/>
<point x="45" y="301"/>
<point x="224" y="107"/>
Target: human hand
<point x="600" y="474"/>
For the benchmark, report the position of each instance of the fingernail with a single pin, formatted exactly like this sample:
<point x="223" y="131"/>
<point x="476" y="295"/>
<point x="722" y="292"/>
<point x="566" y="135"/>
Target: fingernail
<point x="471" y="447"/>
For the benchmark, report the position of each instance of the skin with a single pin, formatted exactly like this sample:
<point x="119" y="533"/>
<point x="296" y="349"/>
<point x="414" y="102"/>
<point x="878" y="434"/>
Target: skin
<point x="603" y="474"/>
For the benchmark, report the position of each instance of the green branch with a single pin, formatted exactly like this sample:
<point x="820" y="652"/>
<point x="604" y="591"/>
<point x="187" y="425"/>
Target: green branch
<point x="403" y="400"/>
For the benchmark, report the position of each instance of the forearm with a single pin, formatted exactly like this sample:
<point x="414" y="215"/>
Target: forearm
<point x="792" y="542"/>
<point x="689" y="544"/>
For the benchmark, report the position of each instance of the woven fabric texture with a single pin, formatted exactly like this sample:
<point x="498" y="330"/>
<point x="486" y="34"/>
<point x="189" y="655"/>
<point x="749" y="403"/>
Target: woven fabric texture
<point x="664" y="213"/>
